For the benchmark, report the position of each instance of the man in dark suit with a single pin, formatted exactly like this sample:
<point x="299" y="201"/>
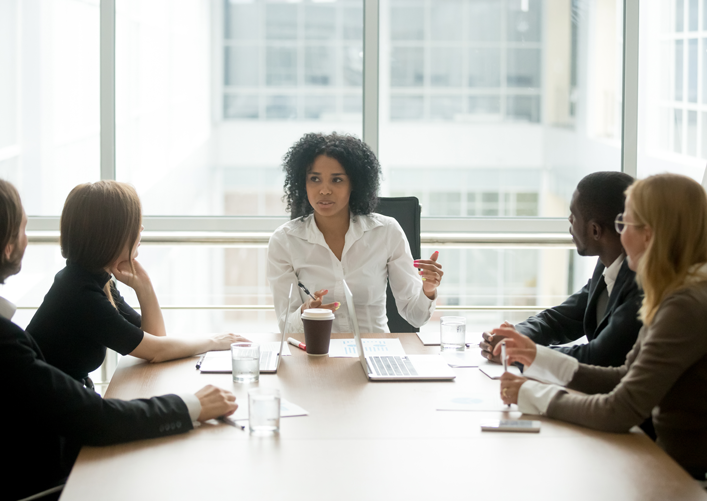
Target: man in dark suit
<point x="46" y="415"/>
<point x="606" y="309"/>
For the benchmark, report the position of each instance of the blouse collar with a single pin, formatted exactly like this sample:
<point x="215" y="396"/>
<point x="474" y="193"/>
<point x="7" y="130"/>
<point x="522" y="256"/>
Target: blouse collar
<point x="101" y="277"/>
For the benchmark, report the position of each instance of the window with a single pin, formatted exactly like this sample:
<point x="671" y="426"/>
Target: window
<point x="487" y="109"/>
<point x="673" y="93"/>
<point x="49" y="99"/>
<point x="203" y="132"/>
<point x="452" y="54"/>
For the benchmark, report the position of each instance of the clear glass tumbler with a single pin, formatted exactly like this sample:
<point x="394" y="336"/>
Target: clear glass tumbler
<point x="246" y="362"/>
<point x="452" y="334"/>
<point x="264" y="411"/>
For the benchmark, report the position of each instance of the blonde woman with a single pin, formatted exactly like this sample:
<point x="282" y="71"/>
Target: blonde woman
<point x="83" y="313"/>
<point x="664" y="232"/>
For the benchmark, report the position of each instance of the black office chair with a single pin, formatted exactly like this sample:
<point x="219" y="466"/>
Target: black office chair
<point x="406" y="211"/>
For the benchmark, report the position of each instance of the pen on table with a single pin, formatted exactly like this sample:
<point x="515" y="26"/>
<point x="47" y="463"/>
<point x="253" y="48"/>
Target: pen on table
<point x="304" y="289"/>
<point x="296" y="343"/>
<point x="227" y="420"/>
<point x="201" y="361"/>
<point x="504" y="358"/>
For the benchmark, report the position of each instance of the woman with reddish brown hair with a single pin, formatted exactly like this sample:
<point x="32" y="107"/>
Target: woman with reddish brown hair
<point x="83" y="313"/>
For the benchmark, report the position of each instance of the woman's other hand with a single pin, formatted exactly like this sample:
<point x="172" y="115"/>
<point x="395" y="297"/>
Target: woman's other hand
<point x="317" y="302"/>
<point x="510" y="387"/>
<point x="431" y="272"/>
<point x="519" y="348"/>
<point x="224" y="341"/>
<point x="137" y="280"/>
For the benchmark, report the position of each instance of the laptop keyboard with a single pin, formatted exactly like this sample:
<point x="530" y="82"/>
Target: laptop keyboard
<point x="392" y="366"/>
<point x="266" y="358"/>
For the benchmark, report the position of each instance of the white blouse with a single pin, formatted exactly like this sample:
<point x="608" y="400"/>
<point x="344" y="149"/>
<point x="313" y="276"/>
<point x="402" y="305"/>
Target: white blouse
<point x="375" y="250"/>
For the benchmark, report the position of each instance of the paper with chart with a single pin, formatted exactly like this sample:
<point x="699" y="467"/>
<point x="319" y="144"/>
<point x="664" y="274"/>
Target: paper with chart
<point x="346" y="348"/>
<point x="495" y="371"/>
<point x="473" y="402"/>
<point x="287" y="409"/>
<point x="431" y="338"/>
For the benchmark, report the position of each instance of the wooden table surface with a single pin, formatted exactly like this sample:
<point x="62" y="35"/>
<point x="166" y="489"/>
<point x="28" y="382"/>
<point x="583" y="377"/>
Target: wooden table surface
<point x="382" y="440"/>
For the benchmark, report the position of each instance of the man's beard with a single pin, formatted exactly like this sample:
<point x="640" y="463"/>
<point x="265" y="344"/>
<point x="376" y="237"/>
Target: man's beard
<point x="14" y="264"/>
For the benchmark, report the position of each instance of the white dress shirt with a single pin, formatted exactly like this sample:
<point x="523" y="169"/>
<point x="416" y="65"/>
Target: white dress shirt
<point x="7" y="311"/>
<point x="375" y="250"/>
<point x="612" y="272"/>
<point x="550" y="366"/>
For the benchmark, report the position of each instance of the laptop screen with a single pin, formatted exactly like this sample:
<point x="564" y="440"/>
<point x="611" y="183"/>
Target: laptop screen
<point x="354" y="323"/>
<point x="285" y="329"/>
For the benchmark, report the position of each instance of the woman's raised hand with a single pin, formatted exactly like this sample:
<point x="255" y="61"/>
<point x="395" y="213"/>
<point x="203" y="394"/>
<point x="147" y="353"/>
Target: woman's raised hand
<point x="317" y="302"/>
<point x="137" y="280"/>
<point x="431" y="272"/>
<point x="519" y="348"/>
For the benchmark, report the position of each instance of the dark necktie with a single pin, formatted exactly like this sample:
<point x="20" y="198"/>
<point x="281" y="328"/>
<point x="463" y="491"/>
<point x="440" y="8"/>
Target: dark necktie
<point x="602" y="300"/>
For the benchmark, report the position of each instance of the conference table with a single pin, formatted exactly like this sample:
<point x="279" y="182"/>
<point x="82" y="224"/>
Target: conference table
<point x="367" y="440"/>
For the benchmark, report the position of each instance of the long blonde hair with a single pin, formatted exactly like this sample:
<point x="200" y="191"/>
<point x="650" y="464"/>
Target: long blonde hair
<point x="98" y="221"/>
<point x="674" y="207"/>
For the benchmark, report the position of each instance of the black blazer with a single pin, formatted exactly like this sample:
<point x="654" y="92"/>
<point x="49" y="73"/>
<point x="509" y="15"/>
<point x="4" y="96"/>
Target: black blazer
<point x="46" y="416"/>
<point x="610" y="340"/>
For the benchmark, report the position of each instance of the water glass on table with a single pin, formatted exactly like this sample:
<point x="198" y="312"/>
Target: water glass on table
<point x="264" y="411"/>
<point x="246" y="362"/>
<point x="452" y="333"/>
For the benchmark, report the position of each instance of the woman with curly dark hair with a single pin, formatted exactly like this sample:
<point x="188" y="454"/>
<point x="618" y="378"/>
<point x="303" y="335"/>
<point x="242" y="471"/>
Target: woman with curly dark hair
<point x="331" y="184"/>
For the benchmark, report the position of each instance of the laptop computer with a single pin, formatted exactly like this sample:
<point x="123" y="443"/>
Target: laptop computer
<point x="270" y="360"/>
<point x="219" y="362"/>
<point x="396" y="368"/>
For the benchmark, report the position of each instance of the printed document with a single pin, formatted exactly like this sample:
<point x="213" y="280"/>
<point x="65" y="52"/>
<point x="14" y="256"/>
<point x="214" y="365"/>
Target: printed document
<point x="346" y="348"/>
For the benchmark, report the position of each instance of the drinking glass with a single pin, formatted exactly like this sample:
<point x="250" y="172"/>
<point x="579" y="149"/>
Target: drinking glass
<point x="452" y="333"/>
<point x="246" y="362"/>
<point x="264" y="411"/>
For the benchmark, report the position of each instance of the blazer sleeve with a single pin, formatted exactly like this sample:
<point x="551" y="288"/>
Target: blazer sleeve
<point x="615" y="340"/>
<point x="653" y="367"/>
<point x="46" y="398"/>
<point x="559" y="325"/>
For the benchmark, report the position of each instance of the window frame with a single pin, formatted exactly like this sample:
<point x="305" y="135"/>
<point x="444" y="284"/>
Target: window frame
<point x="437" y="230"/>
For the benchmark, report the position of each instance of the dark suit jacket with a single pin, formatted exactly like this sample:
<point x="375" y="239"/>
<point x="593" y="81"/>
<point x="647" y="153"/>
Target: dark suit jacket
<point x="46" y="416"/>
<point x="610" y="340"/>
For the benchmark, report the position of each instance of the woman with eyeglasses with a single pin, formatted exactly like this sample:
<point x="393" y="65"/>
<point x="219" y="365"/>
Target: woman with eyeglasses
<point x="664" y="233"/>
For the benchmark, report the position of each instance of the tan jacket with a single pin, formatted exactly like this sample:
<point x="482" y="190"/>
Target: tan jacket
<point x="664" y="374"/>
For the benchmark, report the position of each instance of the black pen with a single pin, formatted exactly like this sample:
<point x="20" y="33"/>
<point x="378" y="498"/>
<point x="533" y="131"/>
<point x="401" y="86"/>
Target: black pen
<point x="227" y="420"/>
<point x="201" y="361"/>
<point x="304" y="289"/>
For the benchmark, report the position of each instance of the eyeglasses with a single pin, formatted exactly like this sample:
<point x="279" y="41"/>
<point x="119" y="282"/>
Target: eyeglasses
<point x="620" y="224"/>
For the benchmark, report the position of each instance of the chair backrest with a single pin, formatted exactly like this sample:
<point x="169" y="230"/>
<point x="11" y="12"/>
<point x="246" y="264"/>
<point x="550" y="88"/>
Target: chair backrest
<point x="406" y="211"/>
